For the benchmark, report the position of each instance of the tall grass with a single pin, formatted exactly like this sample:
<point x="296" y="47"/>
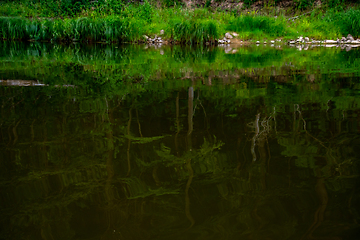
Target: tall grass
<point x="193" y="31"/>
<point x="262" y="25"/>
<point x="193" y="26"/>
<point x="111" y="28"/>
<point x="185" y="29"/>
<point x="347" y="22"/>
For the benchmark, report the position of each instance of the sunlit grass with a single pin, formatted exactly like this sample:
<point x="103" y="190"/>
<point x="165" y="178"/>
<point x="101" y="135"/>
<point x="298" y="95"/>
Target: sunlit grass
<point x="193" y="26"/>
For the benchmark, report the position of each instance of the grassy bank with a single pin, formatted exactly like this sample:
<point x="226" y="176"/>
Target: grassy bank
<point x="113" y="21"/>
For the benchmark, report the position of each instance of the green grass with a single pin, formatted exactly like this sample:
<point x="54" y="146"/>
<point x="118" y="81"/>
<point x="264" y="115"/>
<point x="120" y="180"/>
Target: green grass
<point x="346" y="22"/>
<point x="114" y="21"/>
<point x="194" y="31"/>
<point x="251" y="26"/>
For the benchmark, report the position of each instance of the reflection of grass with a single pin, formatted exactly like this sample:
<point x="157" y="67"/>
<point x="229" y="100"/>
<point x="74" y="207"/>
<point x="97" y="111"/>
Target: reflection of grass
<point x="62" y="64"/>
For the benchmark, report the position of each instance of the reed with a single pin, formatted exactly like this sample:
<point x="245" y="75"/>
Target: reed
<point x="347" y="22"/>
<point x="192" y="31"/>
<point x="111" y="28"/>
<point x="13" y="28"/>
<point x="260" y="25"/>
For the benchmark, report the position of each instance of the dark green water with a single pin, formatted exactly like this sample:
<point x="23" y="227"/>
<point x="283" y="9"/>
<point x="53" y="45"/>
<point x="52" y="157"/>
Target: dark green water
<point x="122" y="142"/>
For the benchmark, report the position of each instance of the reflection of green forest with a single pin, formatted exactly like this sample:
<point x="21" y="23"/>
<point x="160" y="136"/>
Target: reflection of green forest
<point x="113" y="63"/>
<point x="207" y="155"/>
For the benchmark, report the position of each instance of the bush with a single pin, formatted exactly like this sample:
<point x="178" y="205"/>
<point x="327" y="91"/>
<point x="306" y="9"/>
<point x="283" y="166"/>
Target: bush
<point x="304" y="4"/>
<point x="172" y="3"/>
<point x="334" y="3"/>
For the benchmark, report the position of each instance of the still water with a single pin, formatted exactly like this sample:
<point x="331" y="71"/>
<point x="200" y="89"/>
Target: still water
<point x="133" y="142"/>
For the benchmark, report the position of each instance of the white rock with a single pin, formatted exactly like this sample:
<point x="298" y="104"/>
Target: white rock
<point x="354" y="42"/>
<point x="272" y="41"/>
<point x="349" y="37"/>
<point x="292" y="42"/>
<point x="228" y="36"/>
<point x="228" y="41"/>
<point x="228" y="50"/>
<point x="235" y="34"/>
<point x="257" y="42"/>
<point x="162" y="32"/>
<point x="330" y="41"/>
<point x="307" y="39"/>
<point x="146" y="37"/>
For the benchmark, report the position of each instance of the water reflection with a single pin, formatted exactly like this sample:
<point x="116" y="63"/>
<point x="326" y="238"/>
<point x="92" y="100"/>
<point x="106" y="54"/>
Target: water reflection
<point x="188" y="144"/>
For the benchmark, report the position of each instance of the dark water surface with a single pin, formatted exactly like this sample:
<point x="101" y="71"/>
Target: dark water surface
<point x="123" y="142"/>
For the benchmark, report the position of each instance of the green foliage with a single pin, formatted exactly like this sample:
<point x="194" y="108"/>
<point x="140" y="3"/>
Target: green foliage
<point x="145" y="11"/>
<point x="247" y="3"/>
<point x="252" y="23"/>
<point x="347" y="22"/>
<point x="334" y="3"/>
<point x="304" y="4"/>
<point x="172" y="3"/>
<point x="111" y="28"/>
<point x="195" y="31"/>
<point x="207" y="3"/>
<point x="12" y="28"/>
<point x="116" y="6"/>
<point x="116" y="21"/>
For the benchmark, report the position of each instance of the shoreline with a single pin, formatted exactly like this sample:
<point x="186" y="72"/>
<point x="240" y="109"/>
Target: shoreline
<point x="186" y="26"/>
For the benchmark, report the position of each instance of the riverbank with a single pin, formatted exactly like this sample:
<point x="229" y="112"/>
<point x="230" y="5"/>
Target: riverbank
<point x="181" y="25"/>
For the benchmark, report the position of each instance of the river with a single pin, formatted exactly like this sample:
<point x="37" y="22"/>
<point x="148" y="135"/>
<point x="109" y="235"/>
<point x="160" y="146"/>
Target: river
<point x="145" y="142"/>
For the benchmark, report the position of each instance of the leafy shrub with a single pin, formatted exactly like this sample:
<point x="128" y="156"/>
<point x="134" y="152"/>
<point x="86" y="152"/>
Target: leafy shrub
<point x="334" y="3"/>
<point x="172" y="3"/>
<point x="304" y="4"/>
<point x="145" y="11"/>
<point x="248" y="3"/>
<point x="115" y="5"/>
